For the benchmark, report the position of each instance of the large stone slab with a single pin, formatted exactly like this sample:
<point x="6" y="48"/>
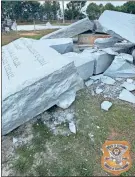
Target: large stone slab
<point x="102" y="61"/>
<point x="119" y="24"/>
<point x="106" y="42"/>
<point x="120" y="67"/>
<point x="71" y="30"/>
<point x="33" y="80"/>
<point x="83" y="62"/>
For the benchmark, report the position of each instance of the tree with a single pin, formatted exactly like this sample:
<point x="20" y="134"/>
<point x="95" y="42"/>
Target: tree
<point x="109" y="6"/>
<point x="73" y="10"/>
<point x="93" y="11"/>
<point x="129" y="7"/>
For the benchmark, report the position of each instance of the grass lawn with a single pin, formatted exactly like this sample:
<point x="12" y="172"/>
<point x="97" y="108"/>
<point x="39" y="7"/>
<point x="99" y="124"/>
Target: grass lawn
<point x="77" y="154"/>
<point x="11" y="36"/>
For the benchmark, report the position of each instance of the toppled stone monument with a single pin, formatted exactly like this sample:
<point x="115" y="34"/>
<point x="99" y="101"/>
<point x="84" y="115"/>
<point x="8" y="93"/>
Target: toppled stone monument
<point x="71" y="30"/>
<point x="119" y="24"/>
<point x="33" y="80"/>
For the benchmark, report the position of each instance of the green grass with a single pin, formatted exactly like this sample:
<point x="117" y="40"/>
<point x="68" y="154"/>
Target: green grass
<point x="79" y="154"/>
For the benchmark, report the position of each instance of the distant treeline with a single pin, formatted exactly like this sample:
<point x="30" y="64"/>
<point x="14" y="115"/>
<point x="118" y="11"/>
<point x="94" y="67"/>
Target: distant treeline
<point x="50" y="10"/>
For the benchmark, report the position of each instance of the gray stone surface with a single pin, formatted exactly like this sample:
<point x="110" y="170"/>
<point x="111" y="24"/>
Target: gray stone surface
<point x="106" y="105"/>
<point x="129" y="86"/>
<point x="102" y="61"/>
<point x="83" y="62"/>
<point x="119" y="24"/>
<point x="98" y="28"/>
<point x="62" y="45"/>
<point x="107" y="80"/>
<point x="120" y="68"/>
<point x="133" y="54"/>
<point x="71" y="30"/>
<point x="105" y="42"/>
<point x="125" y="95"/>
<point x="33" y="80"/>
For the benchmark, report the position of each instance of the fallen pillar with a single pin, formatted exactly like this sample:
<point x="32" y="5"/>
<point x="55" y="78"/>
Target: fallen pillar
<point x="33" y="80"/>
<point x="120" y="67"/>
<point x="71" y="30"/>
<point x="119" y="24"/>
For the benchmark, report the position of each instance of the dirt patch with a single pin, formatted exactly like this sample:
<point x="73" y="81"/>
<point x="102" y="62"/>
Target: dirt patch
<point x="28" y="34"/>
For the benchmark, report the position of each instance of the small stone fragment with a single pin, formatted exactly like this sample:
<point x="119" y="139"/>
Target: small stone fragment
<point x="105" y="105"/>
<point x="125" y="95"/>
<point x="72" y="127"/>
<point x="128" y="86"/>
<point x="107" y="80"/>
<point x="98" y="90"/>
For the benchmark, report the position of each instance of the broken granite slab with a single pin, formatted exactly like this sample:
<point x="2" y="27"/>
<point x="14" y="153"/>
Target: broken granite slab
<point x="107" y="80"/>
<point x="106" y="105"/>
<point x="125" y="95"/>
<point x="33" y="79"/>
<point x="133" y="54"/>
<point x="126" y="57"/>
<point x="98" y="28"/>
<point x="71" y="30"/>
<point x="61" y="45"/>
<point x="129" y="86"/>
<point x="83" y="63"/>
<point x="102" y="61"/>
<point x="120" y="68"/>
<point x="106" y="42"/>
<point x="119" y="24"/>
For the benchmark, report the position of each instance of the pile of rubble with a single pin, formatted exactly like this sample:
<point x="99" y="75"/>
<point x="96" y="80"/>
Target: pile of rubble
<point x="38" y="74"/>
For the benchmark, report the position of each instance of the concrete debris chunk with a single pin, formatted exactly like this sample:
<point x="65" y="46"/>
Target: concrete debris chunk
<point x="106" y="105"/>
<point x="125" y="95"/>
<point x="71" y="30"/>
<point x="106" y="42"/>
<point x="120" y="68"/>
<point x="72" y="127"/>
<point x="46" y="76"/>
<point x="98" y="90"/>
<point x="126" y="57"/>
<point x="89" y="82"/>
<point x="98" y="28"/>
<point x="84" y="64"/>
<point x="62" y="45"/>
<point x="107" y="80"/>
<point x="110" y="51"/>
<point x="119" y="24"/>
<point x="129" y="86"/>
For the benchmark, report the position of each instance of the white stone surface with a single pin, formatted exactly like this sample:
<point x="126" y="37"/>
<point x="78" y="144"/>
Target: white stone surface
<point x="126" y="57"/>
<point x="107" y="80"/>
<point x="119" y="24"/>
<point x="33" y="79"/>
<point x="98" y="90"/>
<point x="72" y="127"/>
<point x="71" y="30"/>
<point x="125" y="95"/>
<point x="128" y="86"/>
<point x="106" y="105"/>
<point x="84" y="64"/>
<point x="120" y="68"/>
<point x="89" y="82"/>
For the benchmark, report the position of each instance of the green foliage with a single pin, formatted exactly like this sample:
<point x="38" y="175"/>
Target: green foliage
<point x="73" y="10"/>
<point x="93" y="11"/>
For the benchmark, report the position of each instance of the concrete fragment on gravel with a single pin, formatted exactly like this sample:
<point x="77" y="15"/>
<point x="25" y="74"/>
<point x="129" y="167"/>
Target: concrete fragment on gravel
<point x="72" y="127"/>
<point x="125" y="95"/>
<point x="106" y="105"/>
<point x="128" y="86"/>
<point x="89" y="82"/>
<point x="107" y="80"/>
